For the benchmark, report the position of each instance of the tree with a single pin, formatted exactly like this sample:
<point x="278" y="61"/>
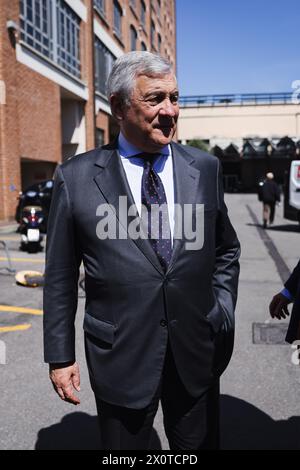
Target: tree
<point x="199" y="144"/>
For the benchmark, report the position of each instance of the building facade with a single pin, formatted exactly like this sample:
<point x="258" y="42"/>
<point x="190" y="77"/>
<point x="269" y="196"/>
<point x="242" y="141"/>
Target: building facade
<point x="251" y="134"/>
<point x="55" y="58"/>
<point x="225" y="119"/>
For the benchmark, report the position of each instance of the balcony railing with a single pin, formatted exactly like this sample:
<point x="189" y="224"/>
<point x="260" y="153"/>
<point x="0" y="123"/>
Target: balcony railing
<point x="236" y="99"/>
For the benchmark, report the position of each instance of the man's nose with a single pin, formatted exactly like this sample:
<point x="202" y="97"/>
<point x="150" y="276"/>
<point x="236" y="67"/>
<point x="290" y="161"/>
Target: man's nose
<point x="167" y="108"/>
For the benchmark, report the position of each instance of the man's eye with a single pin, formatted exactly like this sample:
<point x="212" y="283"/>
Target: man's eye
<point x="155" y="99"/>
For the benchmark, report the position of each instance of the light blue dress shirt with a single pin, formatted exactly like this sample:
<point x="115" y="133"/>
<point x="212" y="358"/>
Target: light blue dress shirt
<point x="287" y="294"/>
<point x="134" y="168"/>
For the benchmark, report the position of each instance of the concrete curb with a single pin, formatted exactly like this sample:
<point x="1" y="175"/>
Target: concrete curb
<point x="9" y="228"/>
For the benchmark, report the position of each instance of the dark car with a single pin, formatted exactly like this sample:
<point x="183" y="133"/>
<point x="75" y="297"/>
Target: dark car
<point x="38" y="194"/>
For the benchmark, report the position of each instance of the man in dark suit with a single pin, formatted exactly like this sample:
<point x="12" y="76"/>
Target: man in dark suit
<point x="279" y="305"/>
<point x="160" y="298"/>
<point x="269" y="194"/>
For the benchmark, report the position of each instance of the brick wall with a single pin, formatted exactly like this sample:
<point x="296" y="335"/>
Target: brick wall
<point x="9" y="131"/>
<point x="102" y="122"/>
<point x="39" y="123"/>
<point x="88" y="66"/>
<point x="30" y="118"/>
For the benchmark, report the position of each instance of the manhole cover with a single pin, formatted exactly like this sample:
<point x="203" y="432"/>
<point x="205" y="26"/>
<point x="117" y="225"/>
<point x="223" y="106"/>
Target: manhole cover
<point x="269" y="333"/>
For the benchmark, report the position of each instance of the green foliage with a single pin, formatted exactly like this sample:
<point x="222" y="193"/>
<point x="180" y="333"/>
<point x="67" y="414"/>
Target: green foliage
<point x="199" y="144"/>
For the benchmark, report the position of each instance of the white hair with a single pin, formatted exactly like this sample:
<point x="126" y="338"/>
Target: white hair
<point x="129" y="66"/>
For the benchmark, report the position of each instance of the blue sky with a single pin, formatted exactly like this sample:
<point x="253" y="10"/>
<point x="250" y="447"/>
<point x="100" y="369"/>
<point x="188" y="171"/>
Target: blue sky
<point x="237" y="46"/>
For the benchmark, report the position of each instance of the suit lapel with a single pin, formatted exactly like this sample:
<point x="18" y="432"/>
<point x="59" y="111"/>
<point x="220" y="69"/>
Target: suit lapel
<point x="186" y="186"/>
<point x="112" y="182"/>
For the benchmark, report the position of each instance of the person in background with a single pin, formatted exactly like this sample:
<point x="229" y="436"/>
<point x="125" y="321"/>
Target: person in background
<point x="279" y="305"/>
<point x="269" y="195"/>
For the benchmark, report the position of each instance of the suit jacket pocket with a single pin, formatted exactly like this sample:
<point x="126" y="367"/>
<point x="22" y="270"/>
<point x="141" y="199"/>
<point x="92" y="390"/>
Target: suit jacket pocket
<point x="98" y="328"/>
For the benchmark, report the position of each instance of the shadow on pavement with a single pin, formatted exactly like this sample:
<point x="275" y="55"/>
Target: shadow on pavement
<point x="77" y="431"/>
<point x="251" y="224"/>
<point x="245" y="427"/>
<point x="278" y="228"/>
<point x="285" y="228"/>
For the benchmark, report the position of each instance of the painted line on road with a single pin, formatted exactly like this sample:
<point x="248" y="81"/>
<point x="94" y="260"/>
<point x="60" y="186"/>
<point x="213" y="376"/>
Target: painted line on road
<point x="29" y="311"/>
<point x="282" y="268"/>
<point x="12" y="238"/>
<point x="5" y="329"/>
<point x="30" y="260"/>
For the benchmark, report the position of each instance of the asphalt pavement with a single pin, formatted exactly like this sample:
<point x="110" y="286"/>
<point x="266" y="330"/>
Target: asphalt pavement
<point x="260" y="388"/>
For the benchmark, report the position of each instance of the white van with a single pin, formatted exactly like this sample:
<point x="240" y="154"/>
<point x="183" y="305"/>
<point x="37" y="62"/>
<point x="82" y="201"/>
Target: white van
<point x="292" y="193"/>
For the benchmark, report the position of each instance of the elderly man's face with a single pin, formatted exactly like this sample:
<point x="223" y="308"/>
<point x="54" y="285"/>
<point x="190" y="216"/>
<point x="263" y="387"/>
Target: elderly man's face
<point x="150" y="121"/>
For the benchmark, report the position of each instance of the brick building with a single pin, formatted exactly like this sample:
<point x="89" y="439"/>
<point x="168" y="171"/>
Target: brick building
<point x="55" y="57"/>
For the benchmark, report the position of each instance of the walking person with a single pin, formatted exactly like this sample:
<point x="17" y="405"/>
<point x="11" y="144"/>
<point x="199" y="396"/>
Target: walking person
<point x="159" y="315"/>
<point x="269" y="194"/>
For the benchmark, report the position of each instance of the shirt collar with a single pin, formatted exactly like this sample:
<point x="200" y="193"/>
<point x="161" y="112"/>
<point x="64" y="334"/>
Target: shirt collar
<point x="127" y="150"/>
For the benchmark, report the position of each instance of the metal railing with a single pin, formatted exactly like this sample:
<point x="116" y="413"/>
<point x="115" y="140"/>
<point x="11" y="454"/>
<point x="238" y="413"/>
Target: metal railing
<point x="235" y="99"/>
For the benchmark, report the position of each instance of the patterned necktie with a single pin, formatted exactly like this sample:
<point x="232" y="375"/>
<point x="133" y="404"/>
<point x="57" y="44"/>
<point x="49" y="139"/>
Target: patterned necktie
<point x="155" y="202"/>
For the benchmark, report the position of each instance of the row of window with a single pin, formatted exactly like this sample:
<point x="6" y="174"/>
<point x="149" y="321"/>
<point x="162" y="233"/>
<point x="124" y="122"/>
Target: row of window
<point x="118" y="13"/>
<point x="101" y="7"/>
<point x="134" y="37"/>
<point x="104" y="60"/>
<point x="53" y="29"/>
<point x="133" y="4"/>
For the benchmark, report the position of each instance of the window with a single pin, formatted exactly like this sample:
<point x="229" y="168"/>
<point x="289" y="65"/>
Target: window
<point x="67" y="38"/>
<point x="52" y="28"/>
<point x="133" y="38"/>
<point x="100" y="6"/>
<point x="35" y="23"/>
<point x="99" y="137"/>
<point x="159" y="42"/>
<point x="152" y="34"/>
<point x="104" y="60"/>
<point x="143" y="14"/>
<point x="144" y="47"/>
<point x="117" y="19"/>
<point x="158" y="8"/>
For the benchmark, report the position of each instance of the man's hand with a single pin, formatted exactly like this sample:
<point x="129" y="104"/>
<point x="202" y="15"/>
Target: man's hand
<point x="65" y="377"/>
<point x="278" y="306"/>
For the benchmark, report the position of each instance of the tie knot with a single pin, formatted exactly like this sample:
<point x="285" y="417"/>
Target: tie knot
<point x="149" y="158"/>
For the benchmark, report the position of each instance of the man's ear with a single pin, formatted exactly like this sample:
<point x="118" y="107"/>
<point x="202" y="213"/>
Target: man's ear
<point x="117" y="107"/>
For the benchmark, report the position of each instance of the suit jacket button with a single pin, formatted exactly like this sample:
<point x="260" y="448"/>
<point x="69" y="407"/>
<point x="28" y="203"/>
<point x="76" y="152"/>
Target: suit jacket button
<point x="163" y="323"/>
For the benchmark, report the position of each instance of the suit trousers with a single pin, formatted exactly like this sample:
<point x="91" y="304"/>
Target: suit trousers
<point x="190" y="423"/>
<point x="269" y="212"/>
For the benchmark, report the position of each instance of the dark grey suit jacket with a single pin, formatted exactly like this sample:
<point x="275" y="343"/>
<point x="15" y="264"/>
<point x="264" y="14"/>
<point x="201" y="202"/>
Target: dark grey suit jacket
<point x="132" y="306"/>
